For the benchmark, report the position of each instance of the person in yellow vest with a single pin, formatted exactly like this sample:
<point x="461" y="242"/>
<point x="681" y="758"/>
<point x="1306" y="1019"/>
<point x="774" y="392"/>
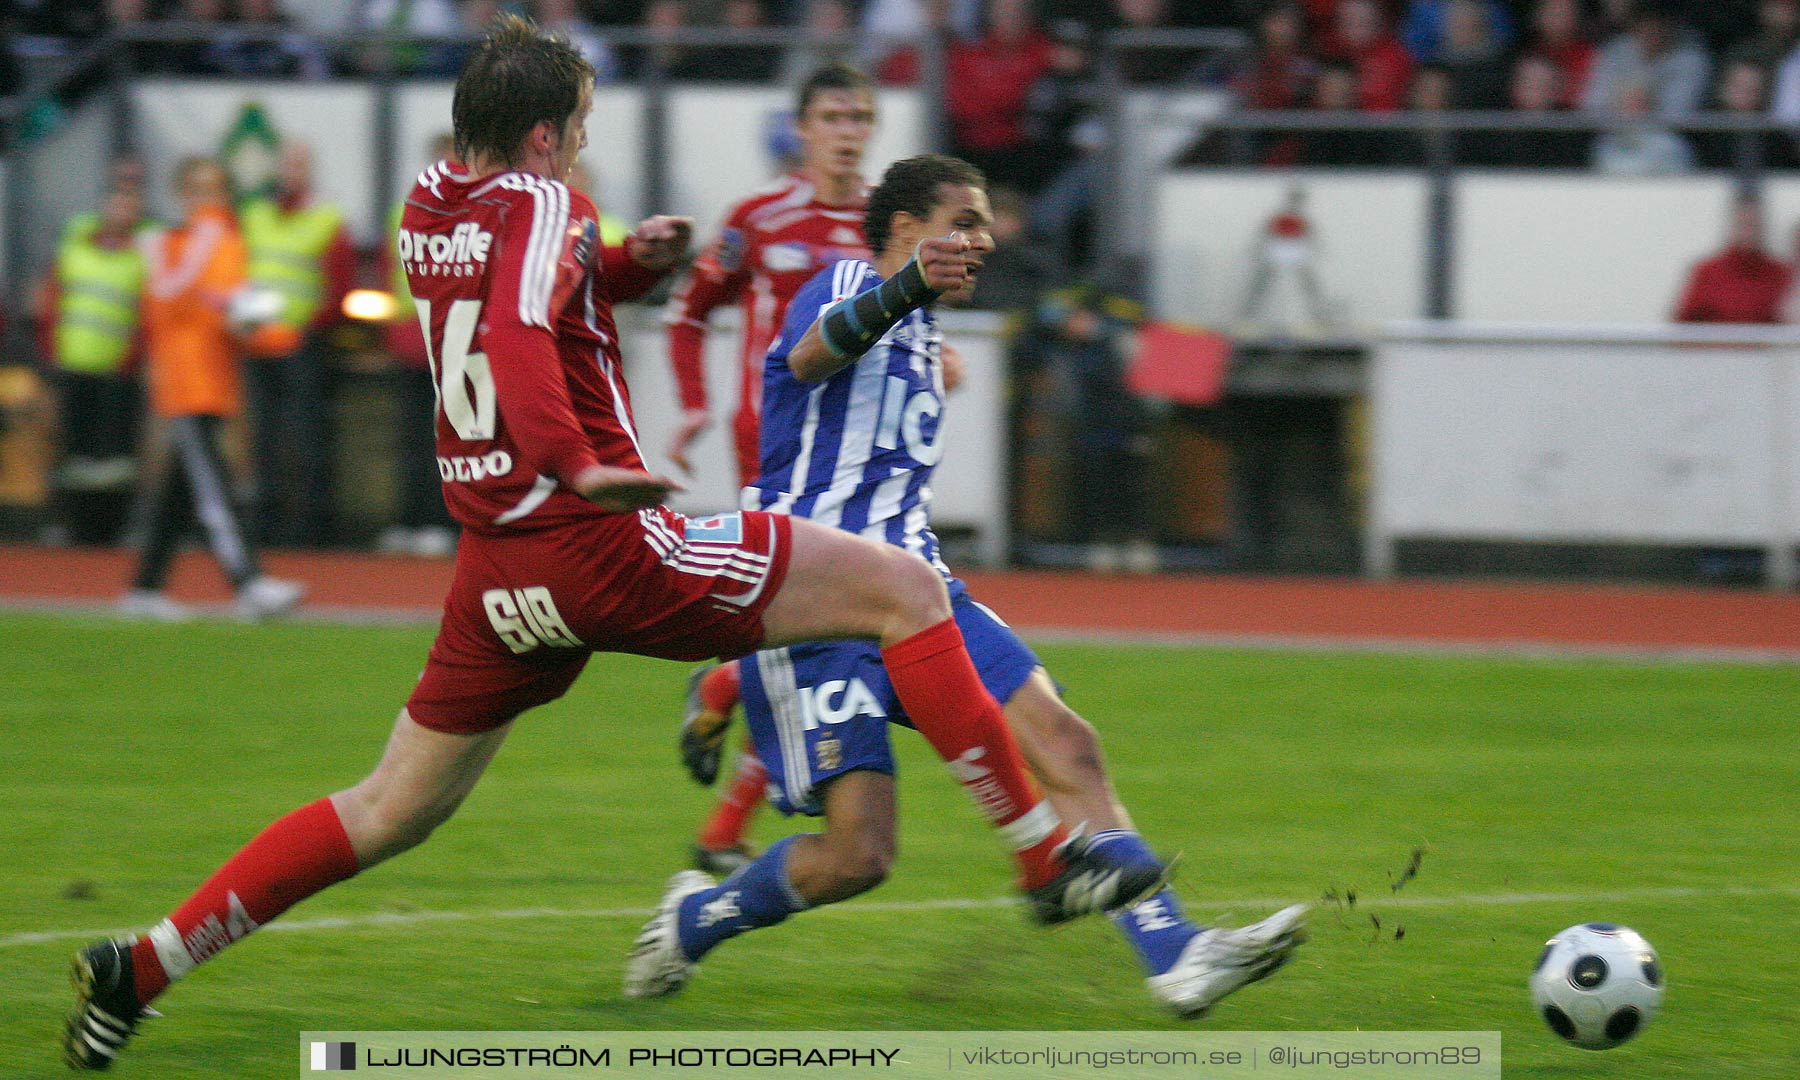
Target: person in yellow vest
<point x="88" y="311"/>
<point x="300" y="251"/>
<point x="193" y="271"/>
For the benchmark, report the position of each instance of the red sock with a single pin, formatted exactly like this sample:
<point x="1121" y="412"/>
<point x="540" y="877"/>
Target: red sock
<point x="731" y="815"/>
<point x="943" y="695"/>
<point x="719" y="688"/>
<point x="297" y="856"/>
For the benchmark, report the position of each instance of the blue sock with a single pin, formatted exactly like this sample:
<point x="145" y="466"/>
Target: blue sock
<point x="1157" y="929"/>
<point x="1121" y="847"/>
<point x="758" y="895"/>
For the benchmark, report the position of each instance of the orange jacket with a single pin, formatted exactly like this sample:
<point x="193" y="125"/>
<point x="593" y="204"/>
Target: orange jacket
<point x="192" y="358"/>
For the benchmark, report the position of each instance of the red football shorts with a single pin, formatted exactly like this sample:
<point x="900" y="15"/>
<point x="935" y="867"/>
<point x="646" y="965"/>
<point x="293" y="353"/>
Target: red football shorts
<point x="527" y="609"/>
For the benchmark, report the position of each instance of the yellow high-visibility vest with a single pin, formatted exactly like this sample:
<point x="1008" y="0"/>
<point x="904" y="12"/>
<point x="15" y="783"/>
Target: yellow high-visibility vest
<point x="287" y="254"/>
<point x="97" y="305"/>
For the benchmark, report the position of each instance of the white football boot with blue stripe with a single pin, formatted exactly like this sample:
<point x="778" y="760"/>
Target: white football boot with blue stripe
<point x="1219" y="961"/>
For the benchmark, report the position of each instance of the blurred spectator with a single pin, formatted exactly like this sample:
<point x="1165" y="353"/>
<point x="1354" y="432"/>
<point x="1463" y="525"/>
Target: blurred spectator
<point x="986" y="89"/>
<point x="1280" y="71"/>
<point x="1423" y="31"/>
<point x="566" y="18"/>
<point x="1640" y="144"/>
<point x="1743" y="91"/>
<point x="1062" y="110"/>
<point x="202" y="18"/>
<point x="1149" y="65"/>
<point x="300" y="251"/>
<point x="1433" y="91"/>
<point x="1743" y="283"/>
<point x="675" y="61"/>
<point x="1557" y="35"/>
<point x="12" y="77"/>
<point x="1658" y="51"/>
<point x="88" y="310"/>
<point x="1785" y="102"/>
<point x="276" y="47"/>
<point x="1335" y="90"/>
<point x="421" y="18"/>
<point x="1320" y="14"/>
<point x="127" y="172"/>
<point x="193" y="271"/>
<point x="1720" y="23"/>
<point x="1022" y="267"/>
<point x="1361" y="36"/>
<point x="1536" y="91"/>
<point x="1065" y="123"/>
<point x="422" y="525"/>
<point x="1777" y="30"/>
<point x="1473" y="55"/>
<point x="895" y="27"/>
<point x="822" y="21"/>
<point x="59" y="20"/>
<point x="904" y="20"/>
<point x="1080" y="337"/>
<point x="1613" y="17"/>
<point x="738" y="63"/>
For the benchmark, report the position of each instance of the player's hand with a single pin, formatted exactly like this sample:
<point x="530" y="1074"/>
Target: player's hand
<point x="703" y="745"/>
<point x="623" y="490"/>
<point x="659" y="242"/>
<point x="950" y="358"/>
<point x="946" y="261"/>
<point x="693" y="422"/>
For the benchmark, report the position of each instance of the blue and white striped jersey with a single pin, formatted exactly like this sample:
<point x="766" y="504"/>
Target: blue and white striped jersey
<point x="857" y="450"/>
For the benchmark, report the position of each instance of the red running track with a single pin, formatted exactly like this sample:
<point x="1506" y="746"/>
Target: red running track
<point x="1309" y="610"/>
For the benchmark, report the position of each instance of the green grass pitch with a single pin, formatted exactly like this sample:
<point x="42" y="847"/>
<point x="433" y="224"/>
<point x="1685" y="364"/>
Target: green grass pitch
<point x="1544" y="792"/>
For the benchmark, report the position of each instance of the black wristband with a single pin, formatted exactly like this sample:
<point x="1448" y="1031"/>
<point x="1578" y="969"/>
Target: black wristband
<point x="853" y="325"/>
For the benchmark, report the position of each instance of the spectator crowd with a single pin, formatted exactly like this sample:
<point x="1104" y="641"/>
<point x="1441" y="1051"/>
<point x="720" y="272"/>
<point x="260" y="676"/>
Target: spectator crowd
<point x="1021" y="74"/>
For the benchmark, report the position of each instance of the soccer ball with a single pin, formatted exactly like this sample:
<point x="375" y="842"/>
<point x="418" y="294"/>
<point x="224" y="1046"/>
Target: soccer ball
<point x="1597" y="984"/>
<point x="251" y="307"/>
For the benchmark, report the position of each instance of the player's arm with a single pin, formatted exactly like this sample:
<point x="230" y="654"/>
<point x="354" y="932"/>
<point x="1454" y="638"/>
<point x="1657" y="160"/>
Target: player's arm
<point x="851" y="326"/>
<point x="717" y="279"/>
<point x="654" y="248"/>
<point x="529" y="286"/>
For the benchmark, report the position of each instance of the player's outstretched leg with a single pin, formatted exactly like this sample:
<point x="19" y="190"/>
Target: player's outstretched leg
<point x="840" y="585"/>
<point x="797" y="872"/>
<point x="720" y="847"/>
<point x="1110" y="865"/>
<point x="421" y="779"/>
<point x="1189" y="966"/>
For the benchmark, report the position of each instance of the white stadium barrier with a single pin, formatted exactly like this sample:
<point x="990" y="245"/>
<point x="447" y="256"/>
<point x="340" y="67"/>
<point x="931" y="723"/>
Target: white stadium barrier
<point x="1586" y="434"/>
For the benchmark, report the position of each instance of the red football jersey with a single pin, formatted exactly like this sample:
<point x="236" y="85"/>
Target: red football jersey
<point x="772" y="243"/>
<point x="514" y="294"/>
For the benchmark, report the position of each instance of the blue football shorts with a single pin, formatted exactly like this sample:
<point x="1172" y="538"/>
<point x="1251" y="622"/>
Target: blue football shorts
<point x="821" y="709"/>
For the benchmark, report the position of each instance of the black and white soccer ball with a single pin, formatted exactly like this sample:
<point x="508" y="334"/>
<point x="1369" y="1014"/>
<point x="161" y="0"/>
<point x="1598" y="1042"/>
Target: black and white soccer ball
<point x="1597" y="984"/>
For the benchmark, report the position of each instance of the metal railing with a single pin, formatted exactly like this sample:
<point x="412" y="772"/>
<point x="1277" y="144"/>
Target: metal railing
<point x="1119" y="245"/>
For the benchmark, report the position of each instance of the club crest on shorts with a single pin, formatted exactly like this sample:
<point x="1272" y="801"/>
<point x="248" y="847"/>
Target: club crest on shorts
<point x="718" y="529"/>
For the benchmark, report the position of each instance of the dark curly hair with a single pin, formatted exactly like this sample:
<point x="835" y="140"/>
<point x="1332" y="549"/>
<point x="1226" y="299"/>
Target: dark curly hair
<point x="520" y="76"/>
<point x="912" y="184"/>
